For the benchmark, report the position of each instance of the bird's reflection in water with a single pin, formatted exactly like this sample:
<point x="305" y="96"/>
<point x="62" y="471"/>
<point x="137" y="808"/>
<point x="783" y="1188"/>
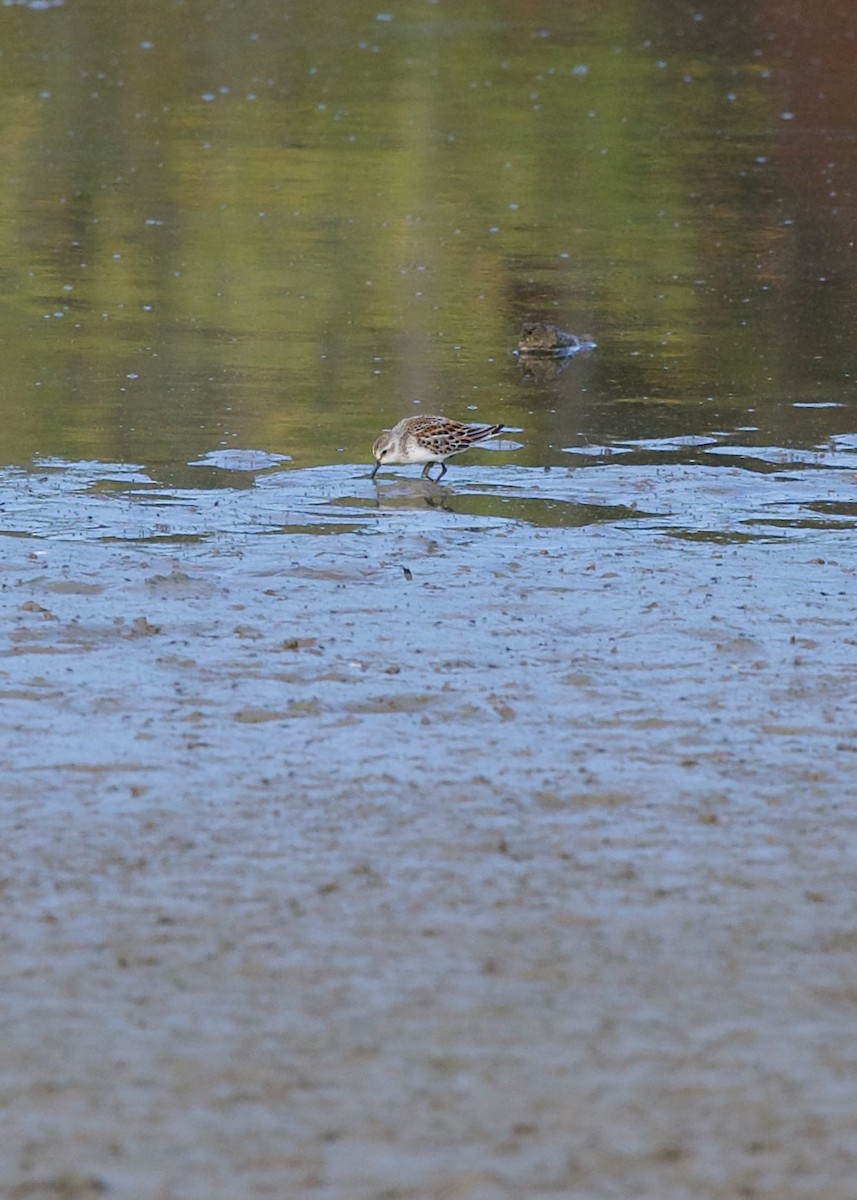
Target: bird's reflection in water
<point x="542" y="370"/>
<point x="412" y="493"/>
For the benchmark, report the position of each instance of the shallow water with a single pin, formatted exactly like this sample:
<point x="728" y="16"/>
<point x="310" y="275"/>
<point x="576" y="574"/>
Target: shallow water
<point x="478" y="839"/>
<point x="231" y="226"/>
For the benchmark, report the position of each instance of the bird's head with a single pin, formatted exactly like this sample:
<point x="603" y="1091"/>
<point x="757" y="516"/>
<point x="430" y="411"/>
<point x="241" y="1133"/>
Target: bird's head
<point x="382" y="450"/>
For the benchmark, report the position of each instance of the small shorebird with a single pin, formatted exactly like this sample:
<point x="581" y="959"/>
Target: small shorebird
<point x="428" y="440"/>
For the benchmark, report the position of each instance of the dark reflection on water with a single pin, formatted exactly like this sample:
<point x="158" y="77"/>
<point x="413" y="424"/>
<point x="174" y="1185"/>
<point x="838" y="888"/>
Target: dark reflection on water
<point x="543" y="512"/>
<point x="835" y="508"/>
<point x="551" y="512"/>
<point x="718" y="537"/>
<point x="231" y="227"/>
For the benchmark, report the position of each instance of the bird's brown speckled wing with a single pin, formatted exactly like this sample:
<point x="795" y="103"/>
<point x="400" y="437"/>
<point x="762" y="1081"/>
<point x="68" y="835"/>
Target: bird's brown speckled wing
<point x="443" y="436"/>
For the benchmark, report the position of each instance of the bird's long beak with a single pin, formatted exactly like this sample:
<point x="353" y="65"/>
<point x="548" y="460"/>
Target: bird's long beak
<point x="375" y="468"/>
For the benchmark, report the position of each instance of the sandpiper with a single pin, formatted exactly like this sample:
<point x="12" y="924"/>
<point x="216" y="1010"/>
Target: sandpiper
<point x="428" y="440"/>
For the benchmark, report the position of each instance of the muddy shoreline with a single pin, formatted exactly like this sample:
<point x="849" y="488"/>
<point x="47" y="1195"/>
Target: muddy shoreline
<point x="530" y="875"/>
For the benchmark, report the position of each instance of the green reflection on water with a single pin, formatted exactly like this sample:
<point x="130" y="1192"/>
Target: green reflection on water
<point x="280" y="227"/>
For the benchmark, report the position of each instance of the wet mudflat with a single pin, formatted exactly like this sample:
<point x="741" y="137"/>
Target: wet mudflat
<point x="434" y="854"/>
